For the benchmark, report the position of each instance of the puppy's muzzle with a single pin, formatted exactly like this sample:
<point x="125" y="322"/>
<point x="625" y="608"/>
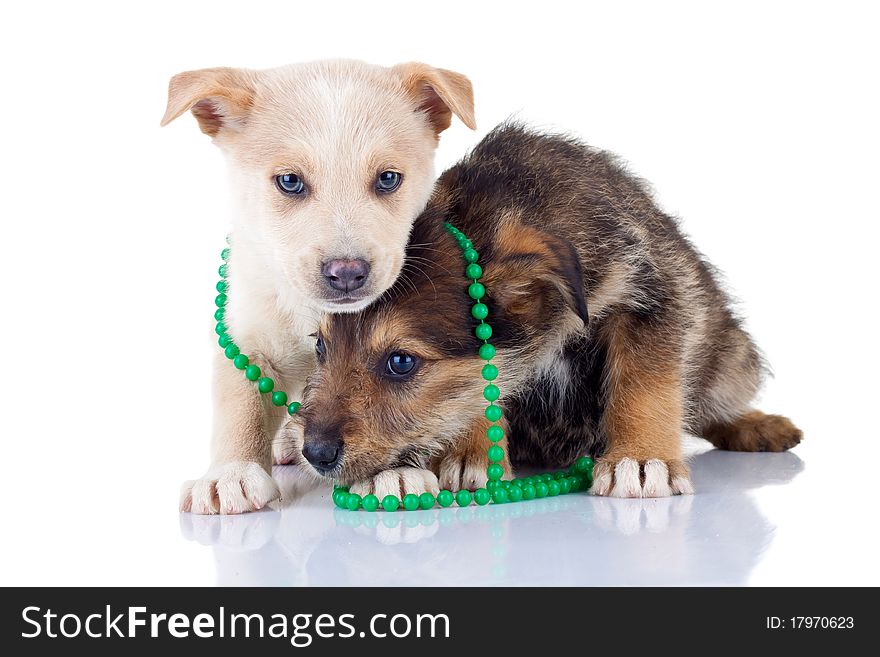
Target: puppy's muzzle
<point x="346" y="274"/>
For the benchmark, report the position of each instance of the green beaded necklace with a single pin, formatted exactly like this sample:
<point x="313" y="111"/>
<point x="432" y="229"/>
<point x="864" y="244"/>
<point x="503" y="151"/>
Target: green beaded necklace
<point x="498" y="490"/>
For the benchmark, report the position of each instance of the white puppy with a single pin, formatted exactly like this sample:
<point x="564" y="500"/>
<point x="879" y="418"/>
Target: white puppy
<point x="329" y="162"/>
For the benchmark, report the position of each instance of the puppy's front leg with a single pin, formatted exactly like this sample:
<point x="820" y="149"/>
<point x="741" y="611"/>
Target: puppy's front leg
<point x="238" y="479"/>
<point x="464" y="466"/>
<point x="643" y="413"/>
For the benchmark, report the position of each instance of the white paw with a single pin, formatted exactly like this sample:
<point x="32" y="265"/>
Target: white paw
<point x="457" y="473"/>
<point x="398" y="482"/>
<point x="628" y="478"/>
<point x="287" y="445"/>
<point x="236" y="487"/>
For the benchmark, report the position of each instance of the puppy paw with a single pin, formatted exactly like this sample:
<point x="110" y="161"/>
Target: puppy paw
<point x="236" y="487"/>
<point x="285" y="452"/>
<point x="287" y="445"/>
<point x="467" y="471"/>
<point x="398" y="482"/>
<point x="630" y="478"/>
<point x="755" y="432"/>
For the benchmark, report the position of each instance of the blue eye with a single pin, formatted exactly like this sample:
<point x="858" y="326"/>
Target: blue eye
<point x="388" y="181"/>
<point x="400" y="364"/>
<point x="290" y="184"/>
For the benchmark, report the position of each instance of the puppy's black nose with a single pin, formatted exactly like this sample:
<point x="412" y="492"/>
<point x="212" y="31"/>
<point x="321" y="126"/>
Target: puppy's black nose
<point x="324" y="455"/>
<point x="345" y="274"/>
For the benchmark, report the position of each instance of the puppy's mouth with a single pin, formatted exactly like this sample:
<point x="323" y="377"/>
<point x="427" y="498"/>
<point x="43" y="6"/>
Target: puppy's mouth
<point x="346" y="303"/>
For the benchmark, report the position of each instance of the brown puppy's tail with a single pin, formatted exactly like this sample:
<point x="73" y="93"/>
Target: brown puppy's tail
<point x="754" y="432"/>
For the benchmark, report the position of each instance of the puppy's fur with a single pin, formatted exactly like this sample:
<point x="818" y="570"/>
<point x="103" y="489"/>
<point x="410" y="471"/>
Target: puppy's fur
<point x="612" y="332"/>
<point x="336" y="125"/>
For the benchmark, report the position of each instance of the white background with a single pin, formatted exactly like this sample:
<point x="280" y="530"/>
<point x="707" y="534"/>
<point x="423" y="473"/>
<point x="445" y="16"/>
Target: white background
<point x="757" y="124"/>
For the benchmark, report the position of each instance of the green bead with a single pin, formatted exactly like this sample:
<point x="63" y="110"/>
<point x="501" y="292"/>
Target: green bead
<point x="478" y="310"/>
<point x="370" y="503"/>
<point x="492" y="485"/>
<point x="553" y="488"/>
<point x="495" y="453"/>
<point x="224" y="341"/>
<point x="221" y="286"/>
<point x="220" y="329"/>
<point x="481" y="496"/>
<point x="225" y="254"/>
<point x="541" y="490"/>
<point x="473" y="271"/>
<point x="463" y="497"/>
<point x="390" y="503"/>
<point x="445" y="498"/>
<point x="252" y="372"/>
<point x="487" y="351"/>
<point x="354" y="502"/>
<point x="583" y="464"/>
<point x="576" y="483"/>
<point x="491" y="392"/>
<point x="560" y="474"/>
<point x="495" y="472"/>
<point x="517" y="482"/>
<point x="475" y="291"/>
<point x="564" y="486"/>
<point x="241" y="361"/>
<point x="546" y="478"/>
<point x="293" y="407"/>
<point x="220" y="300"/>
<point x="529" y="492"/>
<point x="483" y="331"/>
<point x="279" y="398"/>
<point x="426" y="501"/>
<point x="231" y="351"/>
<point x="490" y="372"/>
<point x="494" y="433"/>
<point x="223" y="270"/>
<point x="219" y="314"/>
<point x="470" y="255"/>
<point x="465" y="243"/>
<point x="265" y="384"/>
<point x="500" y="496"/>
<point x="493" y="413"/>
<point x="410" y="502"/>
<point x="515" y="493"/>
<point x="340" y="498"/>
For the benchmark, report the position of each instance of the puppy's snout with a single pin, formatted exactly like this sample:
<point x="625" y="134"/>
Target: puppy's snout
<point x="346" y="274"/>
<point x="323" y="453"/>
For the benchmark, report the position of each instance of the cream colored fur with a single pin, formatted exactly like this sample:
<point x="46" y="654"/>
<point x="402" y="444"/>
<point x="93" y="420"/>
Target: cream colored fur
<point x="337" y="125"/>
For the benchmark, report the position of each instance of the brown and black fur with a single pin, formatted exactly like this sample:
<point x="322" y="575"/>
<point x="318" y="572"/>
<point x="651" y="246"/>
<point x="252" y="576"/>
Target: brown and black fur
<point x="613" y="334"/>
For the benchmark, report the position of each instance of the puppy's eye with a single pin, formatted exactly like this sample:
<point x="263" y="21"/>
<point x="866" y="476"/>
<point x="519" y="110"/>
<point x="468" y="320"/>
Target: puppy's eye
<point x="320" y="348"/>
<point x="400" y="364"/>
<point x="290" y="184"/>
<point x="388" y="181"/>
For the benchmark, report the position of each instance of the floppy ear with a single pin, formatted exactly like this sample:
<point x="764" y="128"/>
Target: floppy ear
<point x="532" y="275"/>
<point x="218" y="97"/>
<point x="439" y="93"/>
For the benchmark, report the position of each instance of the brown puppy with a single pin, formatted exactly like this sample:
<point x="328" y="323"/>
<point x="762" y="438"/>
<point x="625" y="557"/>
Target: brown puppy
<point x="560" y="228"/>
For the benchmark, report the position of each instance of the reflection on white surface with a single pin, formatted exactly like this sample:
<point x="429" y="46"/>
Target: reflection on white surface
<point x="715" y="537"/>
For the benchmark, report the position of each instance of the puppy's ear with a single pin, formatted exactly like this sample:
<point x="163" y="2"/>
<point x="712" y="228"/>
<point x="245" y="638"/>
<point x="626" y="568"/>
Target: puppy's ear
<point x="218" y="97"/>
<point x="534" y="275"/>
<point x="439" y="93"/>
